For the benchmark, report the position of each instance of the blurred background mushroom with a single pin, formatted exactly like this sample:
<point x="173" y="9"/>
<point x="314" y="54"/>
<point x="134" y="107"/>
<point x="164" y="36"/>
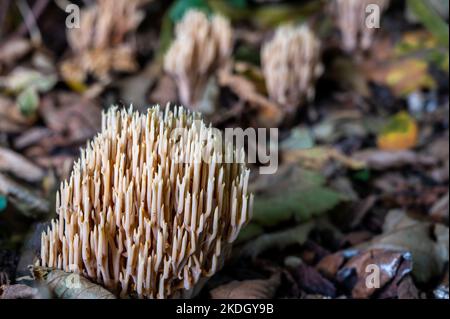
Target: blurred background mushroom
<point x="351" y="18"/>
<point x="291" y="65"/>
<point x="201" y="46"/>
<point x="101" y="44"/>
<point x="144" y="213"/>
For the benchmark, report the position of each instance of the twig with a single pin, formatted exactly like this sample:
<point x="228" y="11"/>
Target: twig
<point x="30" y="19"/>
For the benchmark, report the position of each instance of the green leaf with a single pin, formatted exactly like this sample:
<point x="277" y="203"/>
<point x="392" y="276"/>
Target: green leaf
<point x="238" y="3"/>
<point x="300" y="138"/>
<point x="248" y="232"/>
<point x="28" y="101"/>
<point x="3" y="202"/>
<point x="180" y="7"/>
<point x="430" y="19"/>
<point x="267" y="15"/>
<point x="45" y="83"/>
<point x="281" y="239"/>
<point x="306" y="198"/>
<point x="362" y="175"/>
<point x="302" y="204"/>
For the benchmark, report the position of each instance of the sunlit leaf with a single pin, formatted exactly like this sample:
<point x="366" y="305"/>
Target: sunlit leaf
<point x="399" y="133"/>
<point x="430" y="19"/>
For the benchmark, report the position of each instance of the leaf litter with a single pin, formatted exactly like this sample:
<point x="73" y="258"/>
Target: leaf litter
<point x="350" y="191"/>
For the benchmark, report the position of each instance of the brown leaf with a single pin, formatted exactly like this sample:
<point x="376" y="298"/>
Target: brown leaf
<point x="248" y="289"/>
<point x="403" y="76"/>
<point x="439" y="211"/>
<point x="281" y="239"/>
<point x="31" y="137"/>
<point x="25" y="200"/>
<point x="313" y="282"/>
<point x="318" y="157"/>
<point x="18" y="292"/>
<point x="381" y="160"/>
<point x="16" y="164"/>
<point x="70" y="285"/>
<point x="355" y="238"/>
<point x="165" y="91"/>
<point x="330" y="265"/>
<point x="427" y="243"/>
<point x="269" y="114"/>
<point x="402" y="286"/>
<point x="11" y="119"/>
<point x="388" y="263"/>
<point x="12" y="50"/>
<point x="134" y="88"/>
<point x="76" y="118"/>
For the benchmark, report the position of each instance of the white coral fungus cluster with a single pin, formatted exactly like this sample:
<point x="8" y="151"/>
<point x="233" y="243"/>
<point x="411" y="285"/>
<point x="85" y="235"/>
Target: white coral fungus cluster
<point x="141" y="214"/>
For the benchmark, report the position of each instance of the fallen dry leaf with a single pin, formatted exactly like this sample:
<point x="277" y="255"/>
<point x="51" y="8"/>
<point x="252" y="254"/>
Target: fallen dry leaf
<point x="311" y="281"/>
<point x="439" y="211"/>
<point x="11" y="119"/>
<point x="388" y="263"/>
<point x="12" y="50"/>
<point x="76" y="118"/>
<point x="401" y="132"/>
<point x="403" y="76"/>
<point x="31" y="137"/>
<point x="19" y="166"/>
<point x="280" y="239"/>
<point x="18" y="292"/>
<point x="427" y="243"/>
<point x="70" y="285"/>
<point x="25" y="200"/>
<point x="248" y="289"/>
<point x="382" y="160"/>
<point x="330" y="265"/>
<point x="318" y="157"/>
<point x="269" y="113"/>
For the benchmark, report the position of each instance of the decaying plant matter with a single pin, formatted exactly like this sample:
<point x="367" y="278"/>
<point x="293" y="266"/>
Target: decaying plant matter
<point x="100" y="44"/>
<point x="143" y="212"/>
<point x="200" y="47"/>
<point x="291" y="65"/>
<point x="351" y="19"/>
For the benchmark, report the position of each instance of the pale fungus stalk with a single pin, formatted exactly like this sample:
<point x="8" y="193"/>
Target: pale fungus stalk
<point x="142" y="213"/>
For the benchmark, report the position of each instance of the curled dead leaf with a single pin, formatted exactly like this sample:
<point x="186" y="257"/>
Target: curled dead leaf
<point x="269" y="114"/>
<point x="16" y="164"/>
<point x="403" y="76"/>
<point x="382" y="160"/>
<point x="311" y="281"/>
<point x="281" y="239"/>
<point x="70" y="285"/>
<point x="427" y="243"/>
<point x="318" y="157"/>
<point x="18" y="292"/>
<point x="248" y="289"/>
<point x="26" y="201"/>
<point x="386" y="264"/>
<point x="12" y="50"/>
